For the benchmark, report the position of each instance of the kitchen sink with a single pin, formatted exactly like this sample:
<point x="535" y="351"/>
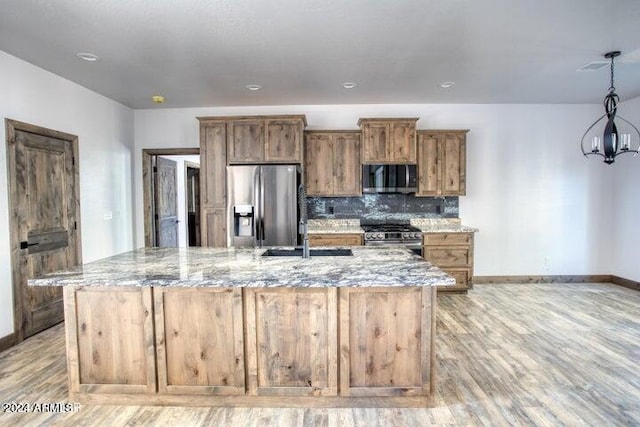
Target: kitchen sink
<point x="312" y="252"/>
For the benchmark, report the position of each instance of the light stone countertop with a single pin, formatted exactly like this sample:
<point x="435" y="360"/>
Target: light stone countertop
<point x="352" y="226"/>
<point x="228" y="267"/>
<point x="334" y="226"/>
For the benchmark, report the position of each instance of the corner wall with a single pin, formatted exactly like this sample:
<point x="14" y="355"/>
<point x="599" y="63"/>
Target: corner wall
<point x="539" y="204"/>
<point x="625" y="247"/>
<point x="105" y="141"/>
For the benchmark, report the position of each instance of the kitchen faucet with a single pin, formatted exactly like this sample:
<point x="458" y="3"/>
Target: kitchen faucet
<point x="302" y="227"/>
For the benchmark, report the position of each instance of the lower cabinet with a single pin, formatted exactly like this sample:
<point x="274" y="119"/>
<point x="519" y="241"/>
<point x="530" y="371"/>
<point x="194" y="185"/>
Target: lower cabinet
<point x="292" y="341"/>
<point x="453" y="253"/>
<point x="386" y="341"/>
<point x="334" y="239"/>
<point x="217" y="345"/>
<point x="199" y="341"/>
<point x="110" y="343"/>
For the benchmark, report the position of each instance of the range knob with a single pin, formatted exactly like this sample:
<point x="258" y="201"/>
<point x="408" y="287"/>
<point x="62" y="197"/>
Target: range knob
<point x="417" y="235"/>
<point x="368" y="236"/>
<point x="406" y="235"/>
<point x="379" y="236"/>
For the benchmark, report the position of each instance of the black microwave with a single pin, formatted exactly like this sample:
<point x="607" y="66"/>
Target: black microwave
<point x="389" y="179"/>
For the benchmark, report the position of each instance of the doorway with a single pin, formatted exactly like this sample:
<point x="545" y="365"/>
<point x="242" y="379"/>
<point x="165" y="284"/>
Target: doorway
<point x="44" y="204"/>
<point x="171" y="187"/>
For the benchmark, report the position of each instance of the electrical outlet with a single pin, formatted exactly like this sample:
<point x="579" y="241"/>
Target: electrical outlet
<point x="547" y="263"/>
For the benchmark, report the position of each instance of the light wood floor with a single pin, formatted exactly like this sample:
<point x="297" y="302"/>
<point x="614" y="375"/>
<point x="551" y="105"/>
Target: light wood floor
<point x="535" y="354"/>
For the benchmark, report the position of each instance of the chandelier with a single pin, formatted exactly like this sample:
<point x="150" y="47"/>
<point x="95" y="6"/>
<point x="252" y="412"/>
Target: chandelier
<point x="615" y="138"/>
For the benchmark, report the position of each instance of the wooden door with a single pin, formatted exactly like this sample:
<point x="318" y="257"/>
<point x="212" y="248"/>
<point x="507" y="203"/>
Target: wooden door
<point x="245" y="142"/>
<point x="45" y="215"/>
<point x="347" y="169"/>
<point x="318" y="164"/>
<point x="428" y="166"/>
<point x="166" y="199"/>
<point x="213" y="164"/>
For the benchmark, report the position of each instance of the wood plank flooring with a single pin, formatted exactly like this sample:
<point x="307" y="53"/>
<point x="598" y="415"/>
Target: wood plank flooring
<point x="521" y="354"/>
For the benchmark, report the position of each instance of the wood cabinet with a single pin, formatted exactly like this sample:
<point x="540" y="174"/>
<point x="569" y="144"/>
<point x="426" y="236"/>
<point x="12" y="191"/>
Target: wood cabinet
<point x="110" y="343"/>
<point x="332" y="163"/>
<point x="200" y="341"/>
<point x="213" y="199"/>
<point x="442" y="163"/>
<point x="335" y="239"/>
<point x="386" y="341"/>
<point x="292" y="345"/>
<point x="265" y="139"/>
<point x="250" y="346"/>
<point x="388" y="140"/>
<point x="453" y="253"/>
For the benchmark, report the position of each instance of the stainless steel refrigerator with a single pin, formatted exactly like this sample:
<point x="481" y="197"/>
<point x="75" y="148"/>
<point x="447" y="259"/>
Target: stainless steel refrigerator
<point x="262" y="205"/>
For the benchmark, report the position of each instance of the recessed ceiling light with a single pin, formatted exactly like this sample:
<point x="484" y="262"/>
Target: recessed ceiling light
<point x="349" y="85"/>
<point x="158" y="99"/>
<point x="90" y="57"/>
<point x="447" y="85"/>
<point x="253" y="87"/>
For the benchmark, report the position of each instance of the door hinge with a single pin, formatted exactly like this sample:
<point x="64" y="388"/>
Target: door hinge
<point x="73" y="161"/>
<point x="75" y="225"/>
<point x="155" y="169"/>
<point x="156" y="215"/>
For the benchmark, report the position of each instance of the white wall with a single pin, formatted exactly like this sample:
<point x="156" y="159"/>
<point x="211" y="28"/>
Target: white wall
<point x="626" y="206"/>
<point x="183" y="233"/>
<point x="105" y="139"/>
<point x="539" y="204"/>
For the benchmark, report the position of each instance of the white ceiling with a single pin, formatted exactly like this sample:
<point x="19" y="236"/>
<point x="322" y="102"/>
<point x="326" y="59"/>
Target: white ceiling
<point x="204" y="52"/>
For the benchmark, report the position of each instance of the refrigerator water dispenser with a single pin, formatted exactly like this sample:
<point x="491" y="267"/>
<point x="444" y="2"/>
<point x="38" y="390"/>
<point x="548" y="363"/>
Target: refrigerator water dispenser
<point x="243" y="220"/>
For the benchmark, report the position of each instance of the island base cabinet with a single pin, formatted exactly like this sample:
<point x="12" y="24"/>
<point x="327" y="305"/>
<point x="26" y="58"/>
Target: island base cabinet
<point x="110" y="345"/>
<point x="386" y="341"/>
<point x="199" y="341"/>
<point x="291" y="341"/>
<point x="280" y="346"/>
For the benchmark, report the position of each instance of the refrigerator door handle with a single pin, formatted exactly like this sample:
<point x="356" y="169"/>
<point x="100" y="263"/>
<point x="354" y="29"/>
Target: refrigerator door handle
<point x="263" y="237"/>
<point x="257" y="213"/>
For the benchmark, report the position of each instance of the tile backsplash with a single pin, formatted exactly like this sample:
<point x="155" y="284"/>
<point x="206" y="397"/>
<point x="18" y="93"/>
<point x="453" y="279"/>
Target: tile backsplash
<point x="382" y="207"/>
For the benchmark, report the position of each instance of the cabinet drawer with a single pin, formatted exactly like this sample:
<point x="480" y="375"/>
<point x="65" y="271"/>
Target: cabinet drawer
<point x="463" y="280"/>
<point x="447" y="238"/>
<point x="335" y="239"/>
<point x="447" y="256"/>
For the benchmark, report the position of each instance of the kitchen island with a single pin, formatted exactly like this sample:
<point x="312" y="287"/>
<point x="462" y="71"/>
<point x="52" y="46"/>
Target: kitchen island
<point x="231" y="327"/>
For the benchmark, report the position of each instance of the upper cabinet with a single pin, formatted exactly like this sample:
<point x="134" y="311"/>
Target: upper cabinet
<point x="442" y="162"/>
<point x="388" y="140"/>
<point x="332" y="163"/>
<point x="265" y="139"/>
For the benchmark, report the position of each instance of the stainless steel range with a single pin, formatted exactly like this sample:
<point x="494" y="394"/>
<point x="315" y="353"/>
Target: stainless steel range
<point x="392" y="234"/>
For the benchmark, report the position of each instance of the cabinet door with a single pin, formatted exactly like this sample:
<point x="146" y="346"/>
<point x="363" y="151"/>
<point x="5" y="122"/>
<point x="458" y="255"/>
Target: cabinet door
<point x="292" y="341"/>
<point x="403" y="142"/>
<point x="453" y="159"/>
<point x="110" y="339"/>
<point x="284" y="138"/>
<point x="428" y="166"/>
<point x="214" y="227"/>
<point x="347" y="170"/>
<point x="376" y="142"/>
<point x="318" y="164"/>
<point x="385" y="341"/>
<point x="213" y="162"/>
<point x="245" y="141"/>
<point x="199" y="341"/>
